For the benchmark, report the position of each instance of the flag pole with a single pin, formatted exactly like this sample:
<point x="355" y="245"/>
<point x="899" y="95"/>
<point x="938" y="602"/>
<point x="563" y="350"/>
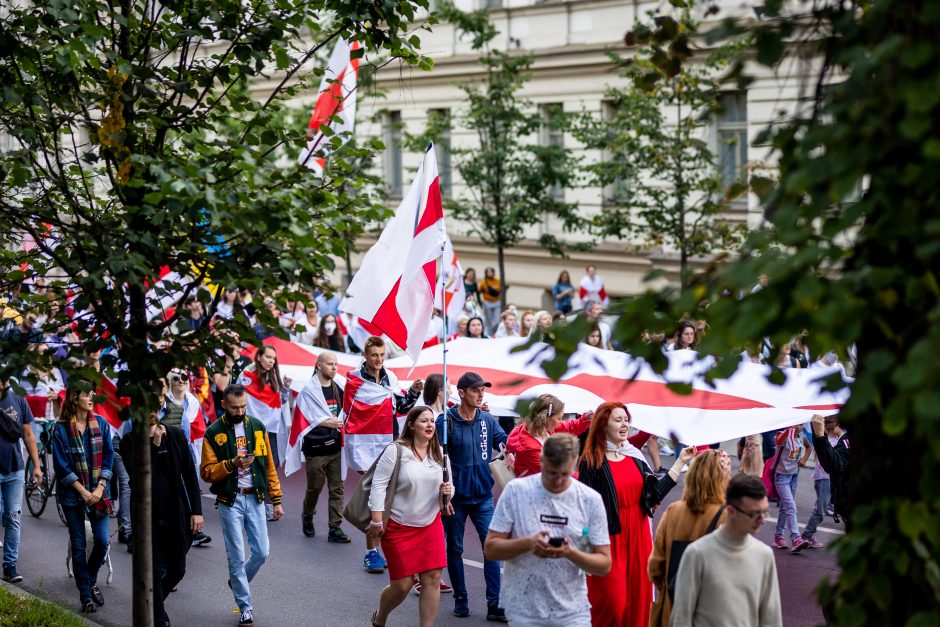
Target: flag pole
<point x="444" y="360"/>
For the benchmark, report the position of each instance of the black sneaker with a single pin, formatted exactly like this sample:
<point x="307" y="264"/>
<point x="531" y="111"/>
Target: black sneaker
<point x="461" y="607"/>
<point x="88" y="607"/>
<point x="11" y="576"/>
<point x="338" y="535"/>
<point x="201" y="538"/>
<point x="307" y="526"/>
<point x="123" y="537"/>
<point x="96" y="595"/>
<point x="496" y="614"/>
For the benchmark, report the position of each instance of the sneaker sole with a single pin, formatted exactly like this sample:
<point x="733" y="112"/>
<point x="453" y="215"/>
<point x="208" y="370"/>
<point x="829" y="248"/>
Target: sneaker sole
<point x="797" y="549"/>
<point x="13" y="579"/>
<point x="375" y="571"/>
<point x="339" y="541"/>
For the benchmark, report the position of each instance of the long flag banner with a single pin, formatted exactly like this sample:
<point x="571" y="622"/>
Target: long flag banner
<point x="335" y="107"/>
<point x="394" y="288"/>
<point x="743" y="404"/>
<point x="454" y="292"/>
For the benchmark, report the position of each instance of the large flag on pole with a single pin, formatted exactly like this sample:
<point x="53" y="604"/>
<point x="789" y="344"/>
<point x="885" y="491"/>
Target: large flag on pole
<point x="454" y="292"/>
<point x="337" y="98"/>
<point x="394" y="288"/>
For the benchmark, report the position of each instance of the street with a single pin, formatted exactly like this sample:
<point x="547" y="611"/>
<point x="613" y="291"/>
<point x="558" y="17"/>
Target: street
<point x="308" y="581"/>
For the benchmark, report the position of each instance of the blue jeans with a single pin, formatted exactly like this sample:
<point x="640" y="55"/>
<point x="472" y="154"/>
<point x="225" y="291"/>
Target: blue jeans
<point x="819" y="510"/>
<point x="123" y="491"/>
<point x="786" y="488"/>
<point x="11" y="502"/>
<point x="86" y="569"/>
<point x="480" y="515"/>
<point x="248" y="514"/>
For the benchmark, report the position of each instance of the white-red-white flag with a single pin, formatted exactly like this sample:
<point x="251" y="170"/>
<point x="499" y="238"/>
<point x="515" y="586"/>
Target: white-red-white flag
<point x="265" y="404"/>
<point x="165" y="293"/>
<point x="193" y="425"/>
<point x="370" y="410"/>
<point x="337" y="97"/>
<point x="394" y="288"/>
<point x="310" y="410"/>
<point x="454" y="293"/>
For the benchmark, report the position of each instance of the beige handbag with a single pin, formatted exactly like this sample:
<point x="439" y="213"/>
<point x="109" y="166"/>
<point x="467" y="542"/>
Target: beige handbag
<point x="357" y="510"/>
<point x="502" y="469"/>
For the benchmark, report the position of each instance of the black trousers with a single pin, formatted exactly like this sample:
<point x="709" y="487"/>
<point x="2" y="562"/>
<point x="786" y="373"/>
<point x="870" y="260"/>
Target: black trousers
<point x="169" y="565"/>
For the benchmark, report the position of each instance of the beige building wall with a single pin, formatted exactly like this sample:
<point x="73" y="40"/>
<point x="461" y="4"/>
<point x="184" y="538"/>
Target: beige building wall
<point x="568" y="39"/>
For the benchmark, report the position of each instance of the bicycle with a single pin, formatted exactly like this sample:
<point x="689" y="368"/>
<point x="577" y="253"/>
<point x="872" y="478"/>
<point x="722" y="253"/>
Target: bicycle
<point x="38" y="494"/>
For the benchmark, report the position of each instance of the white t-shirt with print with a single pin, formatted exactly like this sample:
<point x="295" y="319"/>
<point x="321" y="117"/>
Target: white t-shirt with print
<point x="241" y="445"/>
<point x="547" y="588"/>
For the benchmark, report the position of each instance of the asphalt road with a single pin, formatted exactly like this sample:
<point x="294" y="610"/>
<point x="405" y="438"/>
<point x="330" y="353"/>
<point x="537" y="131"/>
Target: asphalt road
<point x="308" y="581"/>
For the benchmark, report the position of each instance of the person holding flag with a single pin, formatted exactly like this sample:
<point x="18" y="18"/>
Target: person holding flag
<point x="372" y="398"/>
<point x="319" y="413"/>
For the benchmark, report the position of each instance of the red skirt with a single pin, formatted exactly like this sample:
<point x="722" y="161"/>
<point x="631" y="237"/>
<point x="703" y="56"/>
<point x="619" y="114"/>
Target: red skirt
<point x="413" y="550"/>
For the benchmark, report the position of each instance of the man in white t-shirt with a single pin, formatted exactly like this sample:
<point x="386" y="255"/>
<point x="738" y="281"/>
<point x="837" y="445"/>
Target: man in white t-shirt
<point x="550" y="530"/>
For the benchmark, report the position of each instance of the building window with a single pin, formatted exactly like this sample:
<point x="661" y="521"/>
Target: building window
<point x="391" y="137"/>
<point x="616" y="192"/>
<point x="732" y="137"/>
<point x="491" y="4"/>
<point x="552" y="136"/>
<point x="439" y="123"/>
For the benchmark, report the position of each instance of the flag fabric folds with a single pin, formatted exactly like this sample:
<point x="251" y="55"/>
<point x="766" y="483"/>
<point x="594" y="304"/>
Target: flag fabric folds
<point x="370" y="409"/>
<point x="337" y="97"/>
<point x="310" y="410"/>
<point x="266" y="405"/>
<point x="193" y="425"/>
<point x="394" y="288"/>
<point x="454" y="291"/>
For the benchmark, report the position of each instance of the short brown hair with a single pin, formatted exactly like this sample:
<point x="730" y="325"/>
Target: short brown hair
<point x="560" y="449"/>
<point x="745" y="486"/>
<point x="374" y="341"/>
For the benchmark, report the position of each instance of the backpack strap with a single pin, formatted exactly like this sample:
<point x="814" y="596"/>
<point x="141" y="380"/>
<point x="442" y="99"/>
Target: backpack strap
<point x="714" y="523"/>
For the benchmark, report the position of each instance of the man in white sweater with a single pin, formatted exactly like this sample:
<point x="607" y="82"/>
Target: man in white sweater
<point x="728" y="578"/>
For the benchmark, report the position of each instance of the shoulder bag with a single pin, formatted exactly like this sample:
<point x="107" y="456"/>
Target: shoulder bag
<point x="503" y="473"/>
<point x="678" y="548"/>
<point x="10" y="428"/>
<point x="357" y="510"/>
<point x="323" y="441"/>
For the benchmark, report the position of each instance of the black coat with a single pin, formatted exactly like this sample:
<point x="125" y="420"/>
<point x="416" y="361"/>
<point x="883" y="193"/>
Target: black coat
<point x="180" y="483"/>
<point x="835" y="461"/>
<point x="601" y="480"/>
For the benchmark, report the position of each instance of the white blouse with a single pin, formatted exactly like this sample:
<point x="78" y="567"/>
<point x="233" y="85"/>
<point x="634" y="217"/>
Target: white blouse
<point x="417" y="498"/>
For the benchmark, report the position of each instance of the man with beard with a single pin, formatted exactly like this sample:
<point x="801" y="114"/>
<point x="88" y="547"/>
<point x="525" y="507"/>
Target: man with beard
<point x="237" y="460"/>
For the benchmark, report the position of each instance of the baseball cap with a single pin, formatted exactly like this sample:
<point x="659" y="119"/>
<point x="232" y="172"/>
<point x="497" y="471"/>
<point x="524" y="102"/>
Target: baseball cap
<point x="472" y="380"/>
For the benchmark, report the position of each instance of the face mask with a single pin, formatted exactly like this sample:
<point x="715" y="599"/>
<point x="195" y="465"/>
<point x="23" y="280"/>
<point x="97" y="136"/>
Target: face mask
<point x="329" y="327"/>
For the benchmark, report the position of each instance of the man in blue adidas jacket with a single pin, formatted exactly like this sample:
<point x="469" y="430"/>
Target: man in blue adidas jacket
<point x="472" y="434"/>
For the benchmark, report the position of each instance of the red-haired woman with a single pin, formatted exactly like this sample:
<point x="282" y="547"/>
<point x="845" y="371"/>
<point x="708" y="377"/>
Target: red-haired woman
<point x="618" y="471"/>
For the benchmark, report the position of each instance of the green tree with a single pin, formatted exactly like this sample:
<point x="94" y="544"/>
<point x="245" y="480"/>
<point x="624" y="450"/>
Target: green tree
<point x="511" y="184"/>
<point x="851" y="250"/>
<point x="658" y="170"/>
<point x="131" y="135"/>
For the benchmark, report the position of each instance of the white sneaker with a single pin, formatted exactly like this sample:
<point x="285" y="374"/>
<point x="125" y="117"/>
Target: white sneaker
<point x="247" y="620"/>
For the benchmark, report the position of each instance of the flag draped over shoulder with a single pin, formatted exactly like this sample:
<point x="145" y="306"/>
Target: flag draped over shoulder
<point x="265" y="405"/>
<point x="394" y="288"/>
<point x="337" y="97"/>
<point x="370" y="409"/>
<point x="454" y="291"/>
<point x="310" y="410"/>
<point x="193" y="425"/>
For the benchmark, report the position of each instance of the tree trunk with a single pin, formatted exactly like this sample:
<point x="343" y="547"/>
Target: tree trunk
<point x="141" y="518"/>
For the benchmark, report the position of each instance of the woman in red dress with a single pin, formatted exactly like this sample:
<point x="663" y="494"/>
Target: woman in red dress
<point x="618" y="471"/>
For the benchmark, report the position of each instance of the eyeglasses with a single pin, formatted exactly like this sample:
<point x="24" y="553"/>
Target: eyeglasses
<point x="182" y="378"/>
<point x="762" y="514"/>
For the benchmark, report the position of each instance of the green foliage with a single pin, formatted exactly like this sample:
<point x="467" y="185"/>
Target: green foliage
<point x="665" y="187"/>
<point x="510" y="180"/>
<point x="32" y="612"/>
<point x="851" y="251"/>
<point x="132" y="134"/>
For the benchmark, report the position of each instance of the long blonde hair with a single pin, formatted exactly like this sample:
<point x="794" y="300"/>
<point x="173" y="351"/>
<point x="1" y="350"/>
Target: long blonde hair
<point x="705" y="482"/>
<point x="542" y="409"/>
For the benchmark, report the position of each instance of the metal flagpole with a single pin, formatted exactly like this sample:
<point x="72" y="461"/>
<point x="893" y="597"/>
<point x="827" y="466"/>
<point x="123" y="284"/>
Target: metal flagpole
<point x="444" y="345"/>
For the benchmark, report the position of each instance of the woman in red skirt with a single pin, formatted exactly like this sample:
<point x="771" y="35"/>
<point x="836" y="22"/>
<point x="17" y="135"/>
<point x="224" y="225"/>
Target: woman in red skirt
<point x="618" y="470"/>
<point x="412" y="535"/>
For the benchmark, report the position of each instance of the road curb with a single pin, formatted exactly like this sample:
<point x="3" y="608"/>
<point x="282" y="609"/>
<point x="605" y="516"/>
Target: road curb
<point x="25" y="594"/>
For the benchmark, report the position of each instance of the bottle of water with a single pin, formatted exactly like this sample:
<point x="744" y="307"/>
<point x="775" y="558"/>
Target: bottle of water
<point x="584" y="544"/>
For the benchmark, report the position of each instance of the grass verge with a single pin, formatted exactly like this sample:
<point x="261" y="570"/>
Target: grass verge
<point x="33" y="612"/>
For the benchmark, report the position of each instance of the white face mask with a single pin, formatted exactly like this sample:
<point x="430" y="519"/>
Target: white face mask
<point x="329" y="327"/>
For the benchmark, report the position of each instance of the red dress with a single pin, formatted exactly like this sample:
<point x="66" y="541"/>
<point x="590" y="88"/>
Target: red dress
<point x="624" y="597"/>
